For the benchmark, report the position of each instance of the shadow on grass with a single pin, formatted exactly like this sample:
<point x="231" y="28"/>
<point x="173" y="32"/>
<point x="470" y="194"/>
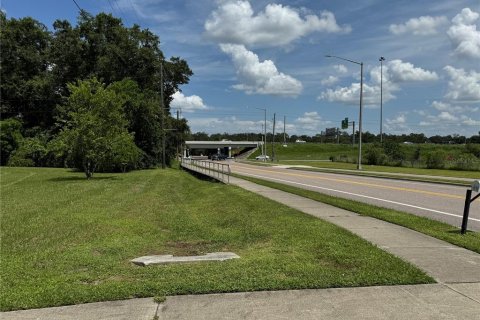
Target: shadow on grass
<point x="80" y="178"/>
<point x="458" y="231"/>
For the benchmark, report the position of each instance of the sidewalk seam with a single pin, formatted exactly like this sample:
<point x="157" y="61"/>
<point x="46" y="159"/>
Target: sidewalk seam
<point x="461" y="293"/>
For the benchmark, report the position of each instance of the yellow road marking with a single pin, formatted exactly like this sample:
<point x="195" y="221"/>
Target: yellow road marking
<point x="365" y="184"/>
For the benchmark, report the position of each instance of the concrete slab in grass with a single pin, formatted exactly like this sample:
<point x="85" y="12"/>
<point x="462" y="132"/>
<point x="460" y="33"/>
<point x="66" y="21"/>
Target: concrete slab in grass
<point x="167" y="259"/>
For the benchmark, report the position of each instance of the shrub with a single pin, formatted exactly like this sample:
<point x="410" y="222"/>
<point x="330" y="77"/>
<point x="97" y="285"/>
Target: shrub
<point x="375" y="156"/>
<point x="467" y="161"/>
<point x="435" y="159"/>
<point x="473" y="149"/>
<point x="30" y="153"/>
<point x="393" y="151"/>
<point x="10" y="137"/>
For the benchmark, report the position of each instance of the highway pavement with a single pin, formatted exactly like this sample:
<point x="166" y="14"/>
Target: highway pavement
<point x="437" y="201"/>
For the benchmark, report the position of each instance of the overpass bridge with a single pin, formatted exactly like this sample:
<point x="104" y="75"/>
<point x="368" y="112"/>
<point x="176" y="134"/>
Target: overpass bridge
<point x="217" y="147"/>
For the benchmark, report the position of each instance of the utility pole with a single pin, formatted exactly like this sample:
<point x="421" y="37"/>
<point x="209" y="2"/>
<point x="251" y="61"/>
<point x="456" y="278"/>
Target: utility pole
<point x="381" y="98"/>
<point x="162" y="116"/>
<point x="273" y="138"/>
<point x="284" y="135"/>
<point x="263" y="144"/>
<point x="353" y="134"/>
<point x="178" y="137"/>
<point x="359" y="161"/>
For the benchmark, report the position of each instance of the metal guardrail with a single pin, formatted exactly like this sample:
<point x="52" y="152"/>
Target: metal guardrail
<point x="216" y="170"/>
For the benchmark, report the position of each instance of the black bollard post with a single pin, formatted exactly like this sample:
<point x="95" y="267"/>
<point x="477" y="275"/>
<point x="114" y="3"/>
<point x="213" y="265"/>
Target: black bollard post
<point x="466" y="211"/>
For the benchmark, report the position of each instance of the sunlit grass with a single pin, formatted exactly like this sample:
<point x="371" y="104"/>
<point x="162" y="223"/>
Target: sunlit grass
<point x="439" y="230"/>
<point x="68" y="240"/>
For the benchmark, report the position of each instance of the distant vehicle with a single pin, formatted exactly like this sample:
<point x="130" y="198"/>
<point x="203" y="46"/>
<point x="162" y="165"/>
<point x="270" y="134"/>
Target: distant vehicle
<point x="300" y="141"/>
<point x="262" y="157"/>
<point x="408" y="142"/>
<point x="217" y="157"/>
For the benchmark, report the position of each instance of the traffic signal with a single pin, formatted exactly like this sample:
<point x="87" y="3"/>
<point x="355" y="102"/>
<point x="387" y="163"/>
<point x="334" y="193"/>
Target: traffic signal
<point x="345" y="123"/>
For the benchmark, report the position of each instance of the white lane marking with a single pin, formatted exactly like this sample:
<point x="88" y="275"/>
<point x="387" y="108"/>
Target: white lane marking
<point x="363" y="196"/>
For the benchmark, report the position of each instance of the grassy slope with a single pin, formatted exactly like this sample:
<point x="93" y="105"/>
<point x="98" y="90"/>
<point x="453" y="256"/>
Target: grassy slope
<point x="310" y="153"/>
<point x="67" y="240"/>
<point x="436" y="229"/>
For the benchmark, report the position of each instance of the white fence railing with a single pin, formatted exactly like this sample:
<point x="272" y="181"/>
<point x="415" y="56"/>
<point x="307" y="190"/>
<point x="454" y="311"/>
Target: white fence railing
<point x="216" y="170"/>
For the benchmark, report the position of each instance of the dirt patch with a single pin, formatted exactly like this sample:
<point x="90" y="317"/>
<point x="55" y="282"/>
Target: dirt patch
<point x="189" y="248"/>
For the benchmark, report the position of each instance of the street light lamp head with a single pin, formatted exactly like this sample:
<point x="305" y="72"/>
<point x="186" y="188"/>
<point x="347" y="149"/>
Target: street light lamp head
<point x="381" y="59"/>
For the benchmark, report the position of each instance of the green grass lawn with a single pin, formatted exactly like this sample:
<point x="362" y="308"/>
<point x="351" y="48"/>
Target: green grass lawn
<point x="311" y="154"/>
<point x="68" y="240"/>
<point x="381" y="169"/>
<point x="439" y="230"/>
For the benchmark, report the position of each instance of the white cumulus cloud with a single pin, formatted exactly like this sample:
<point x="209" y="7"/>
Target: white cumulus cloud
<point x="399" y="71"/>
<point x="395" y="73"/>
<point x="351" y="95"/>
<point x="278" y="25"/>
<point x="340" y="68"/>
<point x="424" y="25"/>
<point x="260" y="77"/>
<point x="331" y="80"/>
<point x="463" y="86"/>
<point x="464" y="34"/>
<point x="444" y="106"/>
<point x="311" y="122"/>
<point x="187" y="104"/>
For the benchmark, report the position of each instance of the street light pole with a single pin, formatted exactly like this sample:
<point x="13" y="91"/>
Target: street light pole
<point x="265" y="131"/>
<point x="162" y="111"/>
<point x="381" y="98"/>
<point x="359" y="164"/>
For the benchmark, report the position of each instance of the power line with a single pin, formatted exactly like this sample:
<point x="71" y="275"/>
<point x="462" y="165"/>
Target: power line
<point x="77" y="5"/>
<point x="134" y="11"/>
<point x="110" y="3"/>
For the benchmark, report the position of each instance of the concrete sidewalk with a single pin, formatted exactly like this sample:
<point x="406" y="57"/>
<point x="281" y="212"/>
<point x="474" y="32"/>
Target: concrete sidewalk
<point x="436" y="301"/>
<point x="457" y="296"/>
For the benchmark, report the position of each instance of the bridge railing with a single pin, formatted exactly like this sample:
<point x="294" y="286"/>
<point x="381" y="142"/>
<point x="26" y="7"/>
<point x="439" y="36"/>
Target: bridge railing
<point x="216" y="170"/>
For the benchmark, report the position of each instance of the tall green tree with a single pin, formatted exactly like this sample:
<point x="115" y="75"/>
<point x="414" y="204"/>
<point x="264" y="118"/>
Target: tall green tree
<point x="26" y="86"/>
<point x="94" y="129"/>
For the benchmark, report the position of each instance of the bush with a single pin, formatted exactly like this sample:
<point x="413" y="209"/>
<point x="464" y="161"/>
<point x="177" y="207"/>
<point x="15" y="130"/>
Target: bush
<point x="30" y="153"/>
<point x="473" y="149"/>
<point x="435" y="159"/>
<point x="375" y="156"/>
<point x="466" y="161"/>
<point x="393" y="151"/>
<point x="10" y="137"/>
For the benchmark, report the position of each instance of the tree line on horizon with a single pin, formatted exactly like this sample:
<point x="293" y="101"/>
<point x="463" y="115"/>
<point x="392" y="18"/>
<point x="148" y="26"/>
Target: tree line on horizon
<point x="343" y="138"/>
<point x="87" y="96"/>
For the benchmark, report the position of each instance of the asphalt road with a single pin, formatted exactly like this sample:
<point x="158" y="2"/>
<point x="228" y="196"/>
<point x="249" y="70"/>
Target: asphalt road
<point x="437" y="201"/>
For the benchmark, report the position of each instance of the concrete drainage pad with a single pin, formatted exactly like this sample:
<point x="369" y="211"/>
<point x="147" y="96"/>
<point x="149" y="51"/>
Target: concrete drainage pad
<point x="165" y="259"/>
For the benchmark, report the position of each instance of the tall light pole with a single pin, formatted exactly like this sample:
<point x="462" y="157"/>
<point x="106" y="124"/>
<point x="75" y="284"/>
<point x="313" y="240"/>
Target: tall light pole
<point x="381" y="98"/>
<point x="264" y="150"/>
<point x="162" y="111"/>
<point x="359" y="164"/>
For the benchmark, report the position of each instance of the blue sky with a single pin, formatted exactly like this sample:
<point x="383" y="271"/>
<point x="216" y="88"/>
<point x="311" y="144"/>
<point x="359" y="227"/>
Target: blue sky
<point x="271" y="55"/>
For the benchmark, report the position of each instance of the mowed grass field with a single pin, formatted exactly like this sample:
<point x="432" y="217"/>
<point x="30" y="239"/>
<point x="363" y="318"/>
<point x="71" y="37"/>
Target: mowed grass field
<point x="68" y="240"/>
